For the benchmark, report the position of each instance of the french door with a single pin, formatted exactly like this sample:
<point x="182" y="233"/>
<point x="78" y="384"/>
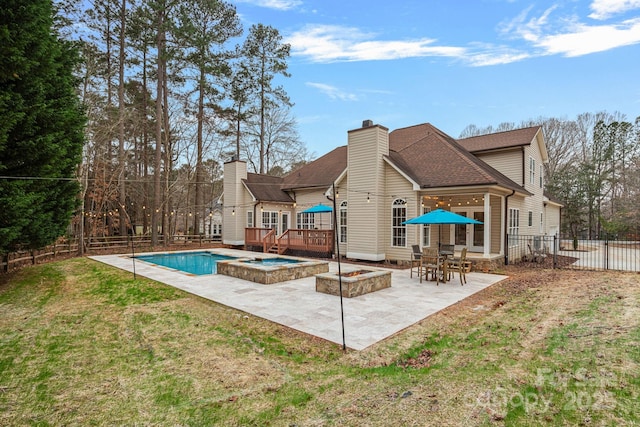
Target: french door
<point x="469" y="235"/>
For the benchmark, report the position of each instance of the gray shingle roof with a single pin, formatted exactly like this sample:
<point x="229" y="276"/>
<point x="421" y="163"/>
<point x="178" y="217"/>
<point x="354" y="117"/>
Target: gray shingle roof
<point x="427" y="155"/>
<point x="266" y="188"/>
<point x="500" y="140"/>
<point x="322" y="172"/>
<point x="434" y="159"/>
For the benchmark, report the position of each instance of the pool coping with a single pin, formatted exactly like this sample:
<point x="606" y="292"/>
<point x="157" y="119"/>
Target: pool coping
<point x="368" y="318"/>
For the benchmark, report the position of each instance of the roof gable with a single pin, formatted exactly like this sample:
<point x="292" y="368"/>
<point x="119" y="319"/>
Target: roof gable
<point x="322" y="172"/>
<point x="433" y="159"/>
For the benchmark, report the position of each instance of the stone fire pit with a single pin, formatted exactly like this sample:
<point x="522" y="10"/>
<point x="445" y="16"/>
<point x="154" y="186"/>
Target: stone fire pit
<point x="354" y="283"/>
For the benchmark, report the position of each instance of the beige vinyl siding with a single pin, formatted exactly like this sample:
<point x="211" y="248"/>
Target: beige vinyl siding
<point x="534" y="203"/>
<point x="235" y="198"/>
<point x="496" y="224"/>
<point x="509" y="163"/>
<point x="366" y="177"/>
<point x="397" y="187"/>
<point x="552" y="219"/>
<point x="308" y="198"/>
<point x="517" y="202"/>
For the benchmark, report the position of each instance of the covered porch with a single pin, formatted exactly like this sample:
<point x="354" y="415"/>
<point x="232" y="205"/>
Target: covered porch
<point x="485" y="242"/>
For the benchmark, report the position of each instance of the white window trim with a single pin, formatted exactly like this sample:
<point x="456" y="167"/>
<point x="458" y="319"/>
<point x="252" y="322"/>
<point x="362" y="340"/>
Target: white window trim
<point x="270" y="217"/>
<point x="250" y="222"/>
<point x="532" y="170"/>
<point x="398" y="204"/>
<point x="426" y="230"/>
<point x="514" y="225"/>
<point x="541" y="176"/>
<point x="343" y="224"/>
<point x="305" y="221"/>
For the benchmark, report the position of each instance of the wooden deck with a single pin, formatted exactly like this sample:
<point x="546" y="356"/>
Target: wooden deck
<point x="298" y="241"/>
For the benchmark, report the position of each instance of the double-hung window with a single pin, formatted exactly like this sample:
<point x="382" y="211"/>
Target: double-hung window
<point x="532" y="170"/>
<point x="270" y="219"/>
<point x="305" y="221"/>
<point x="343" y="222"/>
<point x="398" y="229"/>
<point x="514" y="226"/>
<point x="426" y="230"/>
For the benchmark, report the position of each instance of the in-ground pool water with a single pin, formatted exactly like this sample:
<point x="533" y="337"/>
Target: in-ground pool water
<point x="197" y="263"/>
<point x="269" y="270"/>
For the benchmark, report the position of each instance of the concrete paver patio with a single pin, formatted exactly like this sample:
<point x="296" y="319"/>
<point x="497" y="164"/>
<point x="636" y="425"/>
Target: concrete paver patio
<point x="368" y="318"/>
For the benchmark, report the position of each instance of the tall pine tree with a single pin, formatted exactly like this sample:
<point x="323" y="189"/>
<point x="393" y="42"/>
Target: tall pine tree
<point x="41" y="130"/>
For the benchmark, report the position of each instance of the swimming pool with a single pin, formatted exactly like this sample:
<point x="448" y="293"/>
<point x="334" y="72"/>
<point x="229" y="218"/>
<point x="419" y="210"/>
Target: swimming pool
<point x="197" y="263"/>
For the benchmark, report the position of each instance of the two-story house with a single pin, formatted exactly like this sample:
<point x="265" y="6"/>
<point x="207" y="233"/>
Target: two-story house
<point x="380" y="179"/>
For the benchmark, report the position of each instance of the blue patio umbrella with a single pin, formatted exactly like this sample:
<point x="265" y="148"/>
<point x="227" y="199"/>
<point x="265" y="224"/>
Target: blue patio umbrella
<point x="319" y="208"/>
<point x="440" y="216"/>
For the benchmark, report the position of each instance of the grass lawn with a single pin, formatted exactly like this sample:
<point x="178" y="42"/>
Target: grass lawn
<point x="82" y="343"/>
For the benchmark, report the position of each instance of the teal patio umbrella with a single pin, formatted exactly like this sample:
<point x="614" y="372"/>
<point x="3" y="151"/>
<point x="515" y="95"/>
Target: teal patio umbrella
<point x="440" y="216"/>
<point x="319" y="208"/>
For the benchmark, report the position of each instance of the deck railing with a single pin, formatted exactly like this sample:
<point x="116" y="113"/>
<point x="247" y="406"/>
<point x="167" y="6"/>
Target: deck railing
<point x="300" y="241"/>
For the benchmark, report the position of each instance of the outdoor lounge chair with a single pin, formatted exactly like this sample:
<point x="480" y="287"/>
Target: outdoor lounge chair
<point x="534" y="255"/>
<point x="459" y="265"/>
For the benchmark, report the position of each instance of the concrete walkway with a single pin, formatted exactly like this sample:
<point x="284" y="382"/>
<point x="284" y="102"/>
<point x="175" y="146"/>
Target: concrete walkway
<point x="368" y="318"/>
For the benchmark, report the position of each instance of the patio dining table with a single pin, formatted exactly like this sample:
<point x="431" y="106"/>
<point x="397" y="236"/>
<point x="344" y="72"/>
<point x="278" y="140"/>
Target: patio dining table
<point x="440" y="261"/>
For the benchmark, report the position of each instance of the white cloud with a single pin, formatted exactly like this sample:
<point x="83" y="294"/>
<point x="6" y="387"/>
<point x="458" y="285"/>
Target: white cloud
<point x="333" y="92"/>
<point x="585" y="39"/>
<point x="274" y="4"/>
<point x="331" y="43"/>
<point x="566" y="35"/>
<point x="495" y="56"/>
<point x="603" y="9"/>
<point x="528" y="30"/>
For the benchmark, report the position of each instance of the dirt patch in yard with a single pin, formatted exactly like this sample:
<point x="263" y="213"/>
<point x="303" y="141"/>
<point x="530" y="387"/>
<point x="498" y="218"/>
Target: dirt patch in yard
<point x="557" y="294"/>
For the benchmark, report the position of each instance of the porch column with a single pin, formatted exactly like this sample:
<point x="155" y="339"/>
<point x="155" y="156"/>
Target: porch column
<point x="487" y="224"/>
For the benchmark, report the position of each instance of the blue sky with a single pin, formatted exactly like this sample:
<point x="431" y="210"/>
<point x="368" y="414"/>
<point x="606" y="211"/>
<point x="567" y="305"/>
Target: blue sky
<point x="452" y="62"/>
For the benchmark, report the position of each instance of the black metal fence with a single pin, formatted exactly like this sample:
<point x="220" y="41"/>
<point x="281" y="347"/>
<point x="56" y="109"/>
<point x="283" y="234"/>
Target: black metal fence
<point x="621" y="253"/>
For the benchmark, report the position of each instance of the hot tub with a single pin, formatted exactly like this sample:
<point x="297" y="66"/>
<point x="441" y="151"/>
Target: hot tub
<point x="269" y="270"/>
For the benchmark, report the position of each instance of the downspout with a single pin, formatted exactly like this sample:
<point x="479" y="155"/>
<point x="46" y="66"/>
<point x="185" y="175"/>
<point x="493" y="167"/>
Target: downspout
<point x="255" y="218"/>
<point x="506" y="226"/>
<point x="524" y="165"/>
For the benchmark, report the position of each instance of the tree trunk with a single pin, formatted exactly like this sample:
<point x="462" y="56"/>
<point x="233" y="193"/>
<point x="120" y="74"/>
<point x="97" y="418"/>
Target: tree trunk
<point x="121" y="117"/>
<point x="199" y="199"/>
<point x="157" y="183"/>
